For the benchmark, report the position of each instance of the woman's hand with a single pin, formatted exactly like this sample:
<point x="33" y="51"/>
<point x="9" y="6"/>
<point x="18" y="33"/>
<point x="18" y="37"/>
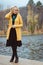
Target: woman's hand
<point x="13" y="26"/>
<point x="17" y="26"/>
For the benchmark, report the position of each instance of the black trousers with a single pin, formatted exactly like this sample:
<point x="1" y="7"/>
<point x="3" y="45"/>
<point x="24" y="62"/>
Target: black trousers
<point x="14" y="49"/>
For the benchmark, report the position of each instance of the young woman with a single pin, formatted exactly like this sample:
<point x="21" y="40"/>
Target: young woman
<point x="14" y="31"/>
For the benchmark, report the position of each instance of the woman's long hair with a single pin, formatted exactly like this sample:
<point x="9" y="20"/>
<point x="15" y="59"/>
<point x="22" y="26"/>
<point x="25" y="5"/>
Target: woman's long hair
<point x="12" y="9"/>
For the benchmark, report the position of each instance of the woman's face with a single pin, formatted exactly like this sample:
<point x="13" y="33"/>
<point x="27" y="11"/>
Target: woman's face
<point x="15" y="11"/>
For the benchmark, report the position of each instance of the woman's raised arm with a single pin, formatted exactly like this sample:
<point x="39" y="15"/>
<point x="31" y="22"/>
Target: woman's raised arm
<point x="7" y="16"/>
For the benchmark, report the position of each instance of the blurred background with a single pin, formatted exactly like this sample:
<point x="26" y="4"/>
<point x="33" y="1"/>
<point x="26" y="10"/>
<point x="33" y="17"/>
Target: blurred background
<point x="32" y="31"/>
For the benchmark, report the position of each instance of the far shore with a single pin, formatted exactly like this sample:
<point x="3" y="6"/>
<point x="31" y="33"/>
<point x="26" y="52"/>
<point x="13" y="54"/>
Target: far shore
<point x="24" y="35"/>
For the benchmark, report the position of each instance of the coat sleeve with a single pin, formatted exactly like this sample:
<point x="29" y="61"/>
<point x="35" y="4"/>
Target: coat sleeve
<point x="7" y="16"/>
<point x="20" y="22"/>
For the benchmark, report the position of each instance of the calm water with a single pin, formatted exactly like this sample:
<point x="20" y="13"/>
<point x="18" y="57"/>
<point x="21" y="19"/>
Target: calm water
<point x="32" y="47"/>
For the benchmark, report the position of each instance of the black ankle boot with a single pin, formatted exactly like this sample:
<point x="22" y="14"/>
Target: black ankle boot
<point x="12" y="59"/>
<point x="16" y="61"/>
